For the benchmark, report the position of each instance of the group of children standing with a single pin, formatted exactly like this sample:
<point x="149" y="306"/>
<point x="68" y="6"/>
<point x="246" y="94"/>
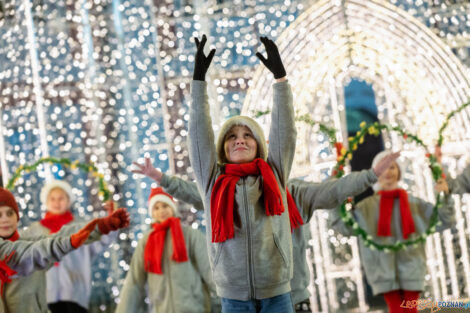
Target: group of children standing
<point x="57" y="244"/>
<point x="252" y="257"/>
<point x="255" y="215"/>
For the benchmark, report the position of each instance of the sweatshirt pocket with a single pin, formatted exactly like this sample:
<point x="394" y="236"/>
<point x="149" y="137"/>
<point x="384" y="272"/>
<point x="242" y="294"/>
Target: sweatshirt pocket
<point x="230" y="265"/>
<point x="279" y="248"/>
<point x="270" y="263"/>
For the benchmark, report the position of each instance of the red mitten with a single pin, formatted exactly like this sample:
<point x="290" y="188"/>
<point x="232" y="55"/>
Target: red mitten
<point x="119" y="219"/>
<point x="81" y="236"/>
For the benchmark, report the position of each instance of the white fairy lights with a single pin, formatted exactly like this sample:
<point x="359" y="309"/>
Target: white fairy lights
<point x="112" y="79"/>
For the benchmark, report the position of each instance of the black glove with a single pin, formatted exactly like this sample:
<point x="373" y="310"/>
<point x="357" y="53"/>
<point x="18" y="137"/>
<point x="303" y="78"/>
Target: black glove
<point x="201" y="62"/>
<point x="273" y="62"/>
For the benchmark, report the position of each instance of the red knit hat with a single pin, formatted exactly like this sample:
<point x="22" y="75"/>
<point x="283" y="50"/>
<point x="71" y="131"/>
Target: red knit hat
<point x="159" y="195"/>
<point x="8" y="199"/>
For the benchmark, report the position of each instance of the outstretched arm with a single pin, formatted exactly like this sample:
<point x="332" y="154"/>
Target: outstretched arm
<point x="178" y="188"/>
<point x="202" y="152"/>
<point x="282" y="134"/>
<point x="183" y="190"/>
<point x="329" y="194"/>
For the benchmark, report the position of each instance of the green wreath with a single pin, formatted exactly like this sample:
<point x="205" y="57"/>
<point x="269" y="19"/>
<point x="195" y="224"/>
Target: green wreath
<point x="446" y="122"/>
<point x="86" y="167"/>
<point x="306" y="118"/>
<point x="346" y="215"/>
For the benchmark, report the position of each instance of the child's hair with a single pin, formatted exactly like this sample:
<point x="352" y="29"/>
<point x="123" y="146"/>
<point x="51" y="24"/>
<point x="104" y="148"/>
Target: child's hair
<point x="241" y="121"/>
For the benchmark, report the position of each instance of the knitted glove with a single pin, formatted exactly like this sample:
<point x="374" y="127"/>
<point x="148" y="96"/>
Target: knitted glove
<point x="201" y="62"/>
<point x="82" y="235"/>
<point x="273" y="62"/>
<point x="119" y="219"/>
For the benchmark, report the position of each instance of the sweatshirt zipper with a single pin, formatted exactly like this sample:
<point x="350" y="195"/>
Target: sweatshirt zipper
<point x="248" y="236"/>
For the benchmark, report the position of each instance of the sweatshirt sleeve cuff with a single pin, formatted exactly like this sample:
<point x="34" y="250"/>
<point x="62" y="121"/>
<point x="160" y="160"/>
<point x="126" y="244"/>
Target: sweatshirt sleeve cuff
<point x="165" y="182"/>
<point x="371" y="176"/>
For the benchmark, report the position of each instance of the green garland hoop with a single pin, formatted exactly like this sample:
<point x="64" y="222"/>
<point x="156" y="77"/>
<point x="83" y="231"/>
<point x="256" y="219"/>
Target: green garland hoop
<point x="306" y="118"/>
<point x="86" y="167"/>
<point x="446" y="122"/>
<point x="346" y="215"/>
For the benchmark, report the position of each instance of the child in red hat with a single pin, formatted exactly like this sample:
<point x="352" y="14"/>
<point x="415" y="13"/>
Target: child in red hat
<point x="172" y="260"/>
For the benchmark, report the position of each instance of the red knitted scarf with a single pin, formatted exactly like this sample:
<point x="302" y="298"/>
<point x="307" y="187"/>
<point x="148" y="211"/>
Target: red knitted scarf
<point x="5" y="271"/>
<point x="14" y="237"/>
<point x="387" y="198"/>
<point x="223" y="198"/>
<point x="155" y="246"/>
<point x="54" y="222"/>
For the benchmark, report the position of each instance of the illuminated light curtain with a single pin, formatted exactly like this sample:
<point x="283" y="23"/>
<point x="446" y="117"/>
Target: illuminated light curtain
<point x="417" y="81"/>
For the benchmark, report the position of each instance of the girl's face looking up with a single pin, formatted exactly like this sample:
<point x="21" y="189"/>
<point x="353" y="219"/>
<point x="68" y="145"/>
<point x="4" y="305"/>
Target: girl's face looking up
<point x="240" y="145"/>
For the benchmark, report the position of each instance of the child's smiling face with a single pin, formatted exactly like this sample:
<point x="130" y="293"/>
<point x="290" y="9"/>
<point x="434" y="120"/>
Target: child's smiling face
<point x="58" y="201"/>
<point x="8" y="221"/>
<point x="240" y="145"/>
<point x="389" y="179"/>
<point x="161" y="211"/>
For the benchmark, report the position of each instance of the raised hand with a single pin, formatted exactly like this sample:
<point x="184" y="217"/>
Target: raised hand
<point x="385" y="163"/>
<point x="273" y="62"/>
<point x="148" y="170"/>
<point x="201" y="61"/>
<point x="119" y="219"/>
<point x="441" y="185"/>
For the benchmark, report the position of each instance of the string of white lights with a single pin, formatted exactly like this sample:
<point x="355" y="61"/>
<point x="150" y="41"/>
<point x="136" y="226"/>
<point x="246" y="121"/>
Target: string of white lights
<point x="37" y="85"/>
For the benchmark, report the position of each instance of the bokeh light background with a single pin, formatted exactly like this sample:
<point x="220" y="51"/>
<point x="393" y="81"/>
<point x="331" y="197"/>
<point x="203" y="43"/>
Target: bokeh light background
<point x="108" y="81"/>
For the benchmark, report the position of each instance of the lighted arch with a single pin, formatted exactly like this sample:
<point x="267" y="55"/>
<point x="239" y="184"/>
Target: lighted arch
<point x="417" y="81"/>
<point x="415" y="75"/>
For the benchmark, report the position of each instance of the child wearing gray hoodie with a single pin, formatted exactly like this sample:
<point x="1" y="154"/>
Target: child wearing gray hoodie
<point x="243" y="186"/>
<point x="171" y="260"/>
<point x="389" y="216"/>
<point x="308" y="197"/>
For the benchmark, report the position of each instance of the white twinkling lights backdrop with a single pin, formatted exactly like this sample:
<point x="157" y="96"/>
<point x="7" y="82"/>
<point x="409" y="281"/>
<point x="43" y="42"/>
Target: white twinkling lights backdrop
<point x="108" y="81"/>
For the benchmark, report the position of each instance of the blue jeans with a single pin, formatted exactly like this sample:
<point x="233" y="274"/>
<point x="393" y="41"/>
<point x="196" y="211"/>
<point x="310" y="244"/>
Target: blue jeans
<point x="278" y="304"/>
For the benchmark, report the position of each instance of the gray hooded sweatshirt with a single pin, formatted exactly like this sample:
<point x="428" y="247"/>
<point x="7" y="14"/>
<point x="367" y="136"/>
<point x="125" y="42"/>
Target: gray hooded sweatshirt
<point x="404" y="269"/>
<point x="257" y="262"/>
<point x="70" y="280"/>
<point x="182" y="287"/>
<point x="308" y="197"/>
<point x="26" y="292"/>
